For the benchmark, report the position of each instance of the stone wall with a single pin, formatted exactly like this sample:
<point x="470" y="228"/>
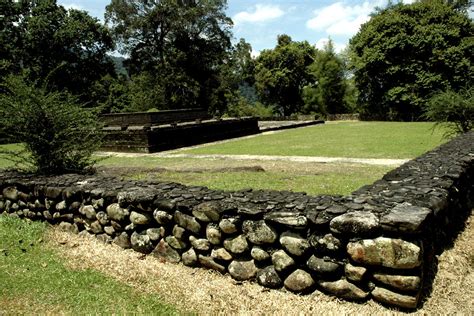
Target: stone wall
<point x="148" y="139"/>
<point x="154" y="118"/>
<point x="377" y="243"/>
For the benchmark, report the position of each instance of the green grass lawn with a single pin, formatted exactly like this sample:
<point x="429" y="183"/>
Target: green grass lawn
<point x="34" y="280"/>
<point x="339" y="139"/>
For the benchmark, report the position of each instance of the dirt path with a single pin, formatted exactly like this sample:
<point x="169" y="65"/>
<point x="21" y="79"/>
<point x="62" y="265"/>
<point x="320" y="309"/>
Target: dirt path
<point x="306" y="159"/>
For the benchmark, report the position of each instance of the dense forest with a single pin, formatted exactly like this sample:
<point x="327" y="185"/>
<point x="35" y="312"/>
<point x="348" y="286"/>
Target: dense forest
<point x="180" y="54"/>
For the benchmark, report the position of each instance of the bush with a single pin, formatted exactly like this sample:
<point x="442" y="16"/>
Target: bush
<point x="58" y="135"/>
<point x="452" y="109"/>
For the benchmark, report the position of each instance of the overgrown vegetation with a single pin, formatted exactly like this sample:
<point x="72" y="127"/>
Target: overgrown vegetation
<point x="35" y="280"/>
<point x="455" y="110"/>
<point x="58" y="134"/>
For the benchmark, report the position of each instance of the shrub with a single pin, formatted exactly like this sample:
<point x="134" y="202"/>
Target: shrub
<point x="452" y="109"/>
<point x="58" y="135"/>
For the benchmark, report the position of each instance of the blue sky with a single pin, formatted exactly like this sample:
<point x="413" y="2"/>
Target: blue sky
<point x="259" y="22"/>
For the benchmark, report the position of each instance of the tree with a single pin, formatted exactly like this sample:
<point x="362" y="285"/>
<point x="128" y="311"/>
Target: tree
<point x="326" y="94"/>
<point x="179" y="44"/>
<point x="58" y="134"/>
<point x="281" y="74"/>
<point x="407" y="52"/>
<point x="67" y="48"/>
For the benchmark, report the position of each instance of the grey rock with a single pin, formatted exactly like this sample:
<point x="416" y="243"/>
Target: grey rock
<point x="96" y="228"/>
<point x="98" y="204"/>
<point x="88" y="211"/>
<point x="268" y="277"/>
<point x="209" y="263"/>
<point x="175" y="242"/>
<point x="259" y="254"/>
<point x="290" y="219"/>
<point x="213" y="234"/>
<point x="242" y="270"/>
<point x="323" y="267"/>
<point x="294" y="243"/>
<point x="207" y="211"/>
<point x="178" y="232"/>
<point x="229" y="225"/>
<point x="190" y="258"/>
<point x="355" y="273"/>
<point x="388" y="297"/>
<point x="327" y="244"/>
<point x="103" y="218"/>
<point x="116" y="213"/>
<point x="10" y="193"/>
<point x="259" y="233"/>
<point x="237" y="245"/>
<point x="141" y="242"/>
<point x="399" y="282"/>
<point x="221" y="254"/>
<point x="109" y="230"/>
<point x="359" y="223"/>
<point x="200" y="244"/>
<point x="106" y="239"/>
<point x="155" y="233"/>
<point x="68" y="227"/>
<point x="116" y="226"/>
<point x="344" y="289"/>
<point x="140" y="218"/>
<point x="130" y="227"/>
<point x="61" y="206"/>
<point x="299" y="281"/>
<point x="162" y="217"/>
<point x="123" y="241"/>
<point x="282" y="261"/>
<point x="136" y="196"/>
<point x="386" y="252"/>
<point x="163" y="251"/>
<point x="188" y="222"/>
<point x="405" y="218"/>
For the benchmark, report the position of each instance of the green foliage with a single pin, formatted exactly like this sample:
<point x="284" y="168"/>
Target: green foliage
<point x="45" y="40"/>
<point x="178" y="46"/>
<point x="281" y="74"/>
<point x="326" y="94"/>
<point x="407" y="52"/>
<point x="453" y="109"/>
<point x="59" y="136"/>
<point x="242" y="108"/>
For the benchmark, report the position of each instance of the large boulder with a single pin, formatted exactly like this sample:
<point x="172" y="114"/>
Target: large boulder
<point x="386" y="252"/>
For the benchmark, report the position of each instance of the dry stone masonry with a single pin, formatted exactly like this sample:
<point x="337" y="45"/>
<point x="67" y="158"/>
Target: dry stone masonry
<point x="376" y="244"/>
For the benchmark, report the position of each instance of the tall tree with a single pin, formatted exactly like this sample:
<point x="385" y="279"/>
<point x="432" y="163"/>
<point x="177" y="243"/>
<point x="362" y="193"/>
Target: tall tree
<point x="407" y="52"/>
<point x="179" y="44"/>
<point x="67" y="48"/>
<point x="281" y="74"/>
<point x="326" y="94"/>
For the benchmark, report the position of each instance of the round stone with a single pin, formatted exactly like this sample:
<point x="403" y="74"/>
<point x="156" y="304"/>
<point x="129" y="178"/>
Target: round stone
<point x="294" y="243"/>
<point x="299" y="281"/>
<point x="268" y="277"/>
<point x="236" y="245"/>
<point x="281" y="260"/>
<point x="259" y="254"/>
<point x="140" y="219"/>
<point x="213" y="234"/>
<point x="259" y="233"/>
<point x="116" y="213"/>
<point x="141" y="242"/>
<point x="242" y="270"/>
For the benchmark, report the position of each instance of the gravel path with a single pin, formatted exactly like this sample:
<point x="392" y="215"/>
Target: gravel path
<point x="369" y="161"/>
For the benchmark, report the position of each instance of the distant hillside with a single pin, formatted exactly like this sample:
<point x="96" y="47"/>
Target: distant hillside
<point x="118" y="63"/>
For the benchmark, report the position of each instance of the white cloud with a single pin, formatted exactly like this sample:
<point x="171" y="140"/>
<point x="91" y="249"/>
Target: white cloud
<point x="338" y="47"/>
<point x="342" y="19"/>
<point x="261" y="13"/>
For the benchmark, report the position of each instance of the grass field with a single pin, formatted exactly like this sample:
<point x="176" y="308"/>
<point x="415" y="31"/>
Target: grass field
<point x="338" y="139"/>
<point x="35" y="280"/>
<point x="335" y="139"/>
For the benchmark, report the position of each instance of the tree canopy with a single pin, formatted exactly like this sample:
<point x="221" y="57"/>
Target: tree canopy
<point x="281" y="74"/>
<point x="67" y="48"/>
<point x="405" y="53"/>
<point x="176" y="46"/>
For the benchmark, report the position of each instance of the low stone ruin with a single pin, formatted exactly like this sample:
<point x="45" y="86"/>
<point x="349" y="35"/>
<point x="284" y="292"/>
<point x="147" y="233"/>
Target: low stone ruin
<point x="378" y="243"/>
<point x="148" y="132"/>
